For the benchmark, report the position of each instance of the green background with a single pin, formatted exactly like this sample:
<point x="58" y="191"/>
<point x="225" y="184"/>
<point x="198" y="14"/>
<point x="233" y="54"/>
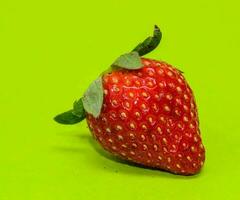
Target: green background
<point x="49" y="53"/>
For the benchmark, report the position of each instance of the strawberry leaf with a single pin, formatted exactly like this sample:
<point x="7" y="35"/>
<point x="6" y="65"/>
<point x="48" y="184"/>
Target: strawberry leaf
<point x="67" y="118"/>
<point x="150" y="43"/>
<point x="72" y="116"/>
<point x="130" y="60"/>
<point x="93" y="98"/>
<point x="78" y="109"/>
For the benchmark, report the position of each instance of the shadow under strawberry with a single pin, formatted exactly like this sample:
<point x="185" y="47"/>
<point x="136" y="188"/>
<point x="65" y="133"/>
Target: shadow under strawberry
<point x="126" y="167"/>
<point x="154" y="171"/>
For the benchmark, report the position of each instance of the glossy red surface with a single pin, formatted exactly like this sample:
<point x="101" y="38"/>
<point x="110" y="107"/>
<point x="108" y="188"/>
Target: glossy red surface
<point x="149" y="116"/>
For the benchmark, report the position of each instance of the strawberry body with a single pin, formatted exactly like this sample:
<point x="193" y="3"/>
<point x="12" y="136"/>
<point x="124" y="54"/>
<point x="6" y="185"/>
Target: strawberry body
<point x="143" y="111"/>
<point x="149" y="116"/>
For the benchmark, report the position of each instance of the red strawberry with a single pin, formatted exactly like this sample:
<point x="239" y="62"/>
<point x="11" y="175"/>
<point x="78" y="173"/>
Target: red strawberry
<point x="149" y="115"/>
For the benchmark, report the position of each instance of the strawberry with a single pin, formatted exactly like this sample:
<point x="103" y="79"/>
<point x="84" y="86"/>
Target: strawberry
<point x="144" y="111"/>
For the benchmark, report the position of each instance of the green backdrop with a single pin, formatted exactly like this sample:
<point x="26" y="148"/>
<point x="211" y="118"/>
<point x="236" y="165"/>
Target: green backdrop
<point x="49" y="53"/>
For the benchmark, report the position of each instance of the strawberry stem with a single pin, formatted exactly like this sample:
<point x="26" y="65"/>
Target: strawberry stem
<point x="150" y="43"/>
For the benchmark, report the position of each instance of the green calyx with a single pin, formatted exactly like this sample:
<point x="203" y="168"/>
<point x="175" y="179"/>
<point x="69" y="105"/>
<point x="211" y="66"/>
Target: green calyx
<point x="92" y="100"/>
<point x="132" y="60"/>
<point x="150" y="43"/>
<point x="72" y="116"/>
